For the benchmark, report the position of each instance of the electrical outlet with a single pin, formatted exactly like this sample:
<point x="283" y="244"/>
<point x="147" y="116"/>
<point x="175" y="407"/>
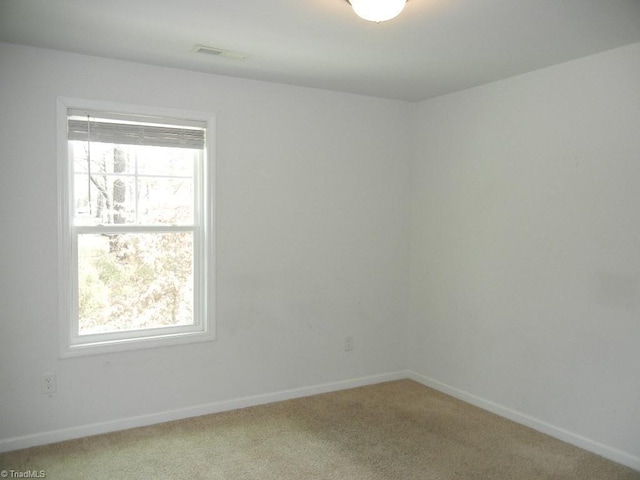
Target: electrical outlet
<point x="48" y="385"/>
<point x="348" y="343"/>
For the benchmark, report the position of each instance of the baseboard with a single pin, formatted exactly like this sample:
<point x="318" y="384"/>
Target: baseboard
<point x="613" y="454"/>
<point x="43" y="438"/>
<point x="178" y="414"/>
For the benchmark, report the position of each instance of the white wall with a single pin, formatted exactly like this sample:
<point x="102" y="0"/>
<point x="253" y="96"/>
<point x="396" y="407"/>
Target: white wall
<point x="525" y="272"/>
<point x="313" y="224"/>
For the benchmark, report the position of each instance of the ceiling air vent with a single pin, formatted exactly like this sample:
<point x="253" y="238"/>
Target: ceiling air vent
<point x="219" y="52"/>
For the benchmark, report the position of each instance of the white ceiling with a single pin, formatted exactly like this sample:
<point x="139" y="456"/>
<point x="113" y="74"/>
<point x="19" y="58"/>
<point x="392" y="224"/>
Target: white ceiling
<point x="434" y="47"/>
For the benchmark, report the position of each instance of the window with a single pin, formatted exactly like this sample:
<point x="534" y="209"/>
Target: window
<point x="135" y="227"/>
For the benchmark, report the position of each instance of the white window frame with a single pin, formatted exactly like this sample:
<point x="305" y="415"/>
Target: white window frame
<point x="203" y="329"/>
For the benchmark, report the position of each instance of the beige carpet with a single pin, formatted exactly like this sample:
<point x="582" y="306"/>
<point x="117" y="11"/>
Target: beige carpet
<point x="395" y="430"/>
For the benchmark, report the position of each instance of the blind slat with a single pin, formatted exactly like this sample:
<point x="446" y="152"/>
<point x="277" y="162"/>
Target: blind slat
<point x="135" y="134"/>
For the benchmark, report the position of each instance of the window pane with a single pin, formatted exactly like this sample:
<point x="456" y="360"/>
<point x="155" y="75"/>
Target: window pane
<point x="103" y="158"/>
<point x="133" y="184"/>
<point x="134" y="281"/>
<point x="104" y="199"/>
<point x="176" y="162"/>
<point x="165" y="201"/>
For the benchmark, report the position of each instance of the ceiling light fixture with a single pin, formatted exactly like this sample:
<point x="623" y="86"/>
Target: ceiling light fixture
<point x="377" y="10"/>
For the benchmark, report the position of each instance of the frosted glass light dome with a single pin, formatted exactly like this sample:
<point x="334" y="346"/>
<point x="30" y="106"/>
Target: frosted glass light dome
<point x="378" y="10"/>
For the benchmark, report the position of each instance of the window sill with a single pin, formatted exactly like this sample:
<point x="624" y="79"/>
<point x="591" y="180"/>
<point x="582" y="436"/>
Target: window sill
<point x="71" y="350"/>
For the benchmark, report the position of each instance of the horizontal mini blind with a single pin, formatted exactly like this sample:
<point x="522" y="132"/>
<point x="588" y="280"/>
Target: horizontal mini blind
<point x="134" y="131"/>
